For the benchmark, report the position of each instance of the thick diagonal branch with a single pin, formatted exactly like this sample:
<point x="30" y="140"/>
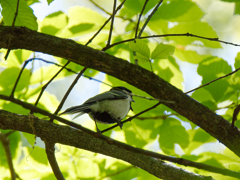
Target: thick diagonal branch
<point x="104" y="145"/>
<point x="141" y="78"/>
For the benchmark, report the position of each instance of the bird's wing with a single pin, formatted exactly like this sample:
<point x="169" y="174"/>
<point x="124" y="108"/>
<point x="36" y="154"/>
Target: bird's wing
<point x="109" y="95"/>
<point x="86" y="106"/>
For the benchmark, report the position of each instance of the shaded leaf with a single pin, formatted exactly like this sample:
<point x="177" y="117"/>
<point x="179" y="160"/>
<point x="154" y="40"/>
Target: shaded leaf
<point x="172" y="132"/>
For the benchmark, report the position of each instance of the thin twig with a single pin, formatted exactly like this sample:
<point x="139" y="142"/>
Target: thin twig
<point x="129" y="119"/>
<point x="112" y="22"/>
<point x="139" y="18"/>
<point x="100" y="7"/>
<point x="14" y="19"/>
<point x="157" y="117"/>
<point x="155" y="99"/>
<point x="69" y="70"/>
<point x="136" y="32"/>
<point x="169" y="35"/>
<point x="19" y="75"/>
<point x="6" y="145"/>
<point x="69" y="90"/>
<point x="149" y="17"/>
<point x="213" y="81"/>
<point x="97" y="5"/>
<point x="118" y="8"/>
<point x="45" y="86"/>
<point x="49" y="148"/>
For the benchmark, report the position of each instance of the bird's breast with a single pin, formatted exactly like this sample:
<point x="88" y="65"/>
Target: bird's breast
<point x="110" y="109"/>
<point x="116" y="108"/>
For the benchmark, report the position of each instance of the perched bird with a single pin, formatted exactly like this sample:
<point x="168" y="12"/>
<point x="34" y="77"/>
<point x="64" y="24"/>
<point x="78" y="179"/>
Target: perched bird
<point x="108" y="107"/>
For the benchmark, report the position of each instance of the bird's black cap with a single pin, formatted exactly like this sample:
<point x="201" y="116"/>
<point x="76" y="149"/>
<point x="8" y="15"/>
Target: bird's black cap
<point x="121" y="88"/>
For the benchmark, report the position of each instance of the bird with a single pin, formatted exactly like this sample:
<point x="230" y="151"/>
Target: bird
<point x="109" y="107"/>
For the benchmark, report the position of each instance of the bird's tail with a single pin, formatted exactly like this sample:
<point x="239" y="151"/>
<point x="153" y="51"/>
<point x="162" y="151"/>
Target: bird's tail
<point x="76" y="109"/>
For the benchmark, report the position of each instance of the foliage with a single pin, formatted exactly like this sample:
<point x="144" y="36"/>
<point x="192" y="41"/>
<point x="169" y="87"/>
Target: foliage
<point x="160" y="129"/>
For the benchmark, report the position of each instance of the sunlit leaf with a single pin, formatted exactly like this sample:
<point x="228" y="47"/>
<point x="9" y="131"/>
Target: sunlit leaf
<point x="53" y="23"/>
<point x="9" y="76"/>
<point x="49" y="1"/>
<point x="162" y="51"/>
<point x="178" y="11"/>
<point x="141" y="48"/>
<point x="211" y="69"/>
<point x="189" y="56"/>
<point x="196" y="28"/>
<point x="25" y="16"/>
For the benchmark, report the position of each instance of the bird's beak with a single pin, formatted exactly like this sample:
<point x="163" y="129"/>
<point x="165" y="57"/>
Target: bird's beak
<point x="133" y="100"/>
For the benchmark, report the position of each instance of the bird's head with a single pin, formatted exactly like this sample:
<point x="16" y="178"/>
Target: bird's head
<point x="123" y="89"/>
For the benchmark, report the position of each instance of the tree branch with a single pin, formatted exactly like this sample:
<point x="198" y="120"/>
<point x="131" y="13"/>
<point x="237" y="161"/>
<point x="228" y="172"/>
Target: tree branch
<point x="49" y="148"/>
<point x="6" y="145"/>
<point x="72" y="137"/>
<point x="194" y="111"/>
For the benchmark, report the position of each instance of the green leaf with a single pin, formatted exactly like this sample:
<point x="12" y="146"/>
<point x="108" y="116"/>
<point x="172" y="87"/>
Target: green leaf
<point x="25" y="16"/>
<point x="14" y="145"/>
<point x="211" y="69"/>
<point x="140" y="133"/>
<point x="159" y="26"/>
<point x="82" y="17"/>
<point x="16" y="58"/>
<point x="237" y="61"/>
<point x="54" y="23"/>
<point x="169" y="70"/>
<point x="196" y="28"/>
<point x="131" y="8"/>
<point x="162" y="51"/>
<point x="11" y="107"/>
<point x="237" y="8"/>
<point x="49" y="1"/>
<point x="141" y="48"/>
<point x="202" y="136"/>
<point x="37" y="156"/>
<point x="189" y="56"/>
<point x="213" y="162"/>
<point x="30" y="2"/>
<point x="178" y="11"/>
<point x="9" y="76"/>
<point x="235" y="78"/>
<point x="205" y="97"/>
<point x="172" y="132"/>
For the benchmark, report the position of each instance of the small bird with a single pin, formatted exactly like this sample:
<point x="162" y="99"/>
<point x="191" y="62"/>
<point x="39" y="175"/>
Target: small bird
<point x="108" y="107"/>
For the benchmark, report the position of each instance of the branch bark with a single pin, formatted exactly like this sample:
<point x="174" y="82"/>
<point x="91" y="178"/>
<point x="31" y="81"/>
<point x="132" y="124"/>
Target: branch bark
<point x="50" y="151"/>
<point x="141" y="78"/>
<point x="6" y="145"/>
<point x="54" y="133"/>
